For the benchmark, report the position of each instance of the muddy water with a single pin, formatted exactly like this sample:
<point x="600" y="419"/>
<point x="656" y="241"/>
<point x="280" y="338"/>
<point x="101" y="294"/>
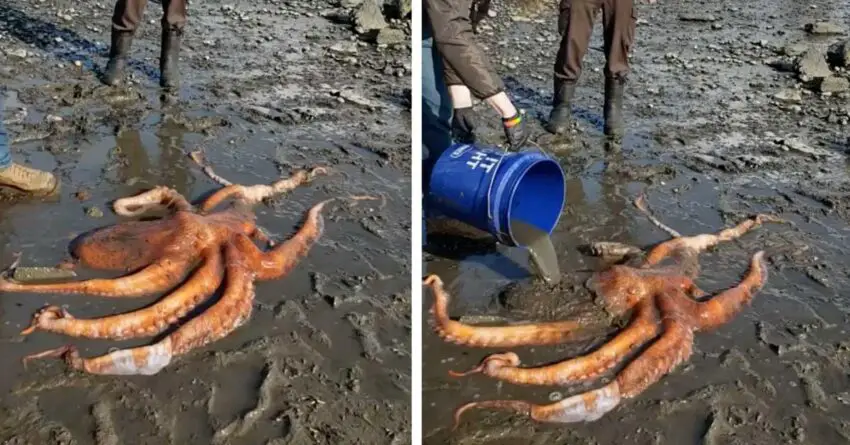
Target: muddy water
<point x="541" y="252"/>
<point x="325" y="357"/>
<point x="705" y="141"/>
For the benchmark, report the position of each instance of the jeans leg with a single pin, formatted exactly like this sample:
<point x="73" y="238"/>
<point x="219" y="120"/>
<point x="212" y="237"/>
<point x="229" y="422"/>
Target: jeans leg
<point x="5" y="156"/>
<point x="436" y="108"/>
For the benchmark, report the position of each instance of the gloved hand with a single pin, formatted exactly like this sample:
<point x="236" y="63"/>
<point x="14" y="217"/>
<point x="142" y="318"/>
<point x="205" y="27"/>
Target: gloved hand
<point x="516" y="130"/>
<point x="463" y="125"/>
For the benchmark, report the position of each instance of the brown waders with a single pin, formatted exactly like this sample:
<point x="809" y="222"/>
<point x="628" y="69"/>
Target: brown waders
<point x="128" y="14"/>
<point x="575" y="25"/>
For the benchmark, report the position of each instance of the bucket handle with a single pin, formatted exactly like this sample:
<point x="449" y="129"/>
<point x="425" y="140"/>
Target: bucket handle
<point x="496" y="170"/>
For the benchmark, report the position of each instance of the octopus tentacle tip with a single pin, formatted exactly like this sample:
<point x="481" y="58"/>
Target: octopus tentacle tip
<point x="518" y="406"/>
<point x="476" y="370"/>
<point x="319" y="170"/>
<point x="59" y="352"/>
<point x="432" y="280"/>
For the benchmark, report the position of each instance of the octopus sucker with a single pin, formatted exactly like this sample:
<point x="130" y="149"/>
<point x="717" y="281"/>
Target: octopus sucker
<point x="666" y="312"/>
<point x="494" y="336"/>
<point x="221" y="241"/>
<point x="140" y="323"/>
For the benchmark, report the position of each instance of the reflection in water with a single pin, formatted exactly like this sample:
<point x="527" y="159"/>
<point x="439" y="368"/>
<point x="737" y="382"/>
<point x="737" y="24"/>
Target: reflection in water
<point x="171" y="168"/>
<point x="614" y="200"/>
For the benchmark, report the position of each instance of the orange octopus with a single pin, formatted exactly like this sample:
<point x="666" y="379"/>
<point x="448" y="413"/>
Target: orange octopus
<point x="210" y="247"/>
<point x="667" y="308"/>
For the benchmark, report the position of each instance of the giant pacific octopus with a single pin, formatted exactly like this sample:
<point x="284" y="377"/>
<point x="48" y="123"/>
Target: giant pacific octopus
<point x="210" y="246"/>
<point x="666" y="308"/>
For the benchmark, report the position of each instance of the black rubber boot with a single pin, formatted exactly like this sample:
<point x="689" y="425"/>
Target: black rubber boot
<point x="169" y="75"/>
<point x="561" y="117"/>
<point x="613" y="111"/>
<point x="121" y="42"/>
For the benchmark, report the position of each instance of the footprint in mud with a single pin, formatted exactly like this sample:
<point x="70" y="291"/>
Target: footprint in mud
<point x="364" y="327"/>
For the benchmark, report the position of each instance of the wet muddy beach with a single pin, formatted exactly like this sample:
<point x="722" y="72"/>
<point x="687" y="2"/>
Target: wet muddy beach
<point x="266" y="89"/>
<point x="710" y="142"/>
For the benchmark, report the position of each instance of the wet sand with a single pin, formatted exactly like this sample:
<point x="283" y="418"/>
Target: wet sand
<point x="326" y="355"/>
<point x="710" y="144"/>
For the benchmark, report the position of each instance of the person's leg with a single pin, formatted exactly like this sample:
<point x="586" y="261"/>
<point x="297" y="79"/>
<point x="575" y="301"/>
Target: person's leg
<point x="619" y="22"/>
<point x="125" y="19"/>
<point x="5" y="155"/>
<point x="18" y="176"/>
<point x="575" y="24"/>
<point x="173" y="22"/>
<point x="436" y="107"/>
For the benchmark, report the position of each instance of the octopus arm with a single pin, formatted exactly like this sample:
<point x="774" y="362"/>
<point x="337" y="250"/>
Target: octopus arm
<point x="724" y="306"/>
<point x="225" y="316"/>
<point x="643" y="328"/>
<point x="157" y="198"/>
<point x="700" y="243"/>
<point x="280" y="260"/>
<point x="668" y="351"/>
<point x="495" y="336"/>
<point x="254" y="194"/>
<point x="149" y="321"/>
<point x="163" y="274"/>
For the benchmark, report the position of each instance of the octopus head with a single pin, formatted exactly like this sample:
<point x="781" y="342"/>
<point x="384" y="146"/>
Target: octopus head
<point x="618" y="289"/>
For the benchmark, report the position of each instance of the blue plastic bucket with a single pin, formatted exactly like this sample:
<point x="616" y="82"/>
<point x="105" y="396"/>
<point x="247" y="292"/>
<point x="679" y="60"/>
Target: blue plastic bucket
<point x="488" y="188"/>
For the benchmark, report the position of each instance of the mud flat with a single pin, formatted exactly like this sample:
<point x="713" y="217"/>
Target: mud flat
<point x="268" y="87"/>
<point x="711" y="138"/>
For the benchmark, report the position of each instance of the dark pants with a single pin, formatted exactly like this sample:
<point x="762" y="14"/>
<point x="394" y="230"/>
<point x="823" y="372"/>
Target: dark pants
<point x="575" y="25"/>
<point x="5" y="155"/>
<point x="129" y="13"/>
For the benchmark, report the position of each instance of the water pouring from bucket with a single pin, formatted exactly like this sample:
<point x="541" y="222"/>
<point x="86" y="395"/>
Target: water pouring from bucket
<point x="517" y="197"/>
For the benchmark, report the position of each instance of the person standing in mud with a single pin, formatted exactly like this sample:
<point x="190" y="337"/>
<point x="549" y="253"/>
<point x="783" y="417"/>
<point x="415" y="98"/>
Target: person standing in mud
<point x="125" y="22"/>
<point x="21" y="177"/>
<point x="467" y="72"/>
<point x="575" y="24"/>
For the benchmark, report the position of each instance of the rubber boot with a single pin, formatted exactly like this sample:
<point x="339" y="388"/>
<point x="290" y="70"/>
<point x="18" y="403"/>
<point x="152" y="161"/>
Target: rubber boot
<point x="561" y="117"/>
<point x="613" y="111"/>
<point x="121" y="42"/>
<point x="169" y="75"/>
<point x="29" y="180"/>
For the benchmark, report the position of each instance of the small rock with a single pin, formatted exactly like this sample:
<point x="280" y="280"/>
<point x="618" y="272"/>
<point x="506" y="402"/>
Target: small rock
<point x="812" y="65"/>
<point x="94" y="212"/>
<point x="82" y="194"/>
<point x="404" y="8"/>
<point x="369" y="17"/>
<point x="839" y="54"/>
<point x="25" y="274"/>
<point x="350" y="4"/>
<point x="344" y="47"/>
<point x="789" y="95"/>
<point x="19" y="53"/>
<point x="824" y="28"/>
<point x="795" y="49"/>
<point x="356" y="98"/>
<point x="697" y="17"/>
<point x="834" y="84"/>
<point x="390" y="36"/>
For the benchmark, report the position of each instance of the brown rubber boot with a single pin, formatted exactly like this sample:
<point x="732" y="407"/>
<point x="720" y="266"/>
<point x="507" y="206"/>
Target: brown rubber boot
<point x="29" y="180"/>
